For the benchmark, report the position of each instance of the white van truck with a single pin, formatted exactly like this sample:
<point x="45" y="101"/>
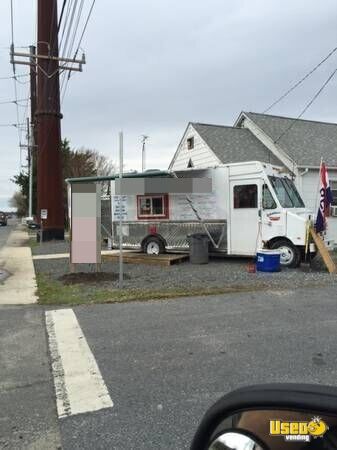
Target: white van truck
<point x="251" y="205"/>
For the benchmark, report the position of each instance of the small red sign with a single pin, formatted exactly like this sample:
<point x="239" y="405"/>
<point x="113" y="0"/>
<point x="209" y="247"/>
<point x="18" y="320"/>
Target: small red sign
<point x="152" y="229"/>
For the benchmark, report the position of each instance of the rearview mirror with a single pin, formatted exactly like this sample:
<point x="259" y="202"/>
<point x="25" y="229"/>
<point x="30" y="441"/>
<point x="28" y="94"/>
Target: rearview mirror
<point x="271" y="417"/>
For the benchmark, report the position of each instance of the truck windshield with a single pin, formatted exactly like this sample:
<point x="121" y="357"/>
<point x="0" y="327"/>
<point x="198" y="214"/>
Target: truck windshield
<point x="286" y="192"/>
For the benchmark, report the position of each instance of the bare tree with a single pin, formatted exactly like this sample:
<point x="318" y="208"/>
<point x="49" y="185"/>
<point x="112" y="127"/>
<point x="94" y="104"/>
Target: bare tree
<point x="103" y="167"/>
<point x="19" y="202"/>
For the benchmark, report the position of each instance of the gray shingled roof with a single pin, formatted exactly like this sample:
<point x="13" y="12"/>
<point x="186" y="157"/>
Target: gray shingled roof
<point x="306" y="142"/>
<point x="234" y="144"/>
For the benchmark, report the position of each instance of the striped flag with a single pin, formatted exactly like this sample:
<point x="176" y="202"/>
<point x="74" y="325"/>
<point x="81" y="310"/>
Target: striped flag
<point x="325" y="199"/>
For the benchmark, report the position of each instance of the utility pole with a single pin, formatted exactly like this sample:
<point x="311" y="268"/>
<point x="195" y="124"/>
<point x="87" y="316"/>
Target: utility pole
<point x="120" y="231"/>
<point x="144" y="139"/>
<point x="30" y="169"/>
<point x="47" y="116"/>
<point x="33" y="96"/>
<point x="33" y="133"/>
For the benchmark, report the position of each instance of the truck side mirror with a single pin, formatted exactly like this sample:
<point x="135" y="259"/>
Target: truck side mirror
<point x="271" y="417"/>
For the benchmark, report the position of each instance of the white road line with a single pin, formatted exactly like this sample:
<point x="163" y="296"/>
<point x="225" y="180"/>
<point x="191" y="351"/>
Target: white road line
<point x="79" y="385"/>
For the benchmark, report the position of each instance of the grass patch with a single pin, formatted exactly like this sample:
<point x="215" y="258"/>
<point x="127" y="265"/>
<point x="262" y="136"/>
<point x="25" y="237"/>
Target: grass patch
<point x="54" y="292"/>
<point x="32" y="242"/>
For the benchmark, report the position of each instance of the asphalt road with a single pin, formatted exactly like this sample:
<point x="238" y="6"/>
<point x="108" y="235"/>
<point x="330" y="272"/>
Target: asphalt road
<point x="5" y="231"/>
<point x="28" y="418"/>
<point x="165" y="363"/>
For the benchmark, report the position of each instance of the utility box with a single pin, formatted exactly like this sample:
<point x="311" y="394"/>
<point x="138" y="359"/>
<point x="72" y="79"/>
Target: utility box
<point x="85" y="223"/>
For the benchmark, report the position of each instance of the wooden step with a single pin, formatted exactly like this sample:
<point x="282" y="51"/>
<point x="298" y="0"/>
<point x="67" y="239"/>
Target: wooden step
<point x="324" y="252"/>
<point x="165" y="259"/>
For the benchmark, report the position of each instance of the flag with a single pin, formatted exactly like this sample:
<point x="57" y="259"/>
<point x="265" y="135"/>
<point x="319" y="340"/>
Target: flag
<point x="325" y="199"/>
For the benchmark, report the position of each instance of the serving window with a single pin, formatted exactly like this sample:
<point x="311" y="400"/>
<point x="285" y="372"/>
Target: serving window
<point x="245" y="196"/>
<point x="152" y="206"/>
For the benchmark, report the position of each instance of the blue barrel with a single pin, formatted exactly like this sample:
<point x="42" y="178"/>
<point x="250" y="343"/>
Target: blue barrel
<point x="268" y="261"/>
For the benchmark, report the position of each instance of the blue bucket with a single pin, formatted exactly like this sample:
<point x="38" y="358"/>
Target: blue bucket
<point x="268" y="261"/>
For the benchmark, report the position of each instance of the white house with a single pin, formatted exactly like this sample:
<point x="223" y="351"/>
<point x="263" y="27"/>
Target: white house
<point x="298" y="145"/>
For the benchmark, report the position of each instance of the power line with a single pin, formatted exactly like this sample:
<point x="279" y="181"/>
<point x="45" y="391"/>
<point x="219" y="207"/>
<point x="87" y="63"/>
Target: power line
<point x="79" y="43"/>
<point x="12" y="22"/>
<point x="85" y="26"/>
<point x="53" y="46"/>
<point x="16" y="76"/>
<point x="61" y="15"/>
<point x="64" y="50"/>
<point x="65" y="22"/>
<point x="300" y="81"/>
<point x="14" y="71"/>
<point x="72" y="41"/>
<point x="11" y="125"/>
<point x="7" y="102"/>
<point x="307" y="105"/>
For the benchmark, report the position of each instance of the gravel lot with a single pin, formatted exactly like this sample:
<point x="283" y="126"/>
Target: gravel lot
<point x="219" y="273"/>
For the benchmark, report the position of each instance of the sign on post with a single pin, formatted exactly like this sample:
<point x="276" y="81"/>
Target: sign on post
<point x="120" y="207"/>
<point x="44" y="214"/>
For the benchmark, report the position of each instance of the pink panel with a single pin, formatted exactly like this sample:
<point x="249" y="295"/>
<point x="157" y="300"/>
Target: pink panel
<point x="84" y="246"/>
<point x="84" y="228"/>
<point x="84" y="252"/>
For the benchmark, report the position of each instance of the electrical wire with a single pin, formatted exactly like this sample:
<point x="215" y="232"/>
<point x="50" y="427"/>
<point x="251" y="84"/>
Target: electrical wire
<point x="16" y="76"/>
<point x="53" y="46"/>
<point x="79" y="43"/>
<point x="12" y="21"/>
<point x="14" y="70"/>
<point x="9" y="125"/>
<point x="85" y="26"/>
<point x="65" y="22"/>
<point x="300" y="81"/>
<point x="61" y="15"/>
<point x="70" y="49"/>
<point x="7" y="102"/>
<point x="307" y="106"/>
<point x="64" y="50"/>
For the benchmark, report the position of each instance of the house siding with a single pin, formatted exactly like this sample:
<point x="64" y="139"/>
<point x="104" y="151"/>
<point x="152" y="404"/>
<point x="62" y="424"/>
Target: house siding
<point x="201" y="155"/>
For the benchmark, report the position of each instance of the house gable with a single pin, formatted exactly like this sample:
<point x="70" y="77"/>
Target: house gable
<point x="303" y="142"/>
<point x="193" y="152"/>
<point x="245" y="121"/>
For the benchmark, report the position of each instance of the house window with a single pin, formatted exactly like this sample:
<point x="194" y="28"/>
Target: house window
<point x="333" y="187"/>
<point x="190" y="164"/>
<point x="245" y="196"/>
<point x="190" y="143"/>
<point x="152" y="206"/>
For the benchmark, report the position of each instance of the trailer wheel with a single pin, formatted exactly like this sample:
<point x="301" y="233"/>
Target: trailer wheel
<point x="290" y="254"/>
<point x="154" y="246"/>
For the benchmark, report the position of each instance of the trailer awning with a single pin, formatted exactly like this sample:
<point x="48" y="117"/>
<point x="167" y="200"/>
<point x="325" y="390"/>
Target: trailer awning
<point x="146" y="174"/>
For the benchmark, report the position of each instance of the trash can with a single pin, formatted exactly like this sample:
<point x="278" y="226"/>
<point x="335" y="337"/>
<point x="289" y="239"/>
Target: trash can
<point x="198" y="245"/>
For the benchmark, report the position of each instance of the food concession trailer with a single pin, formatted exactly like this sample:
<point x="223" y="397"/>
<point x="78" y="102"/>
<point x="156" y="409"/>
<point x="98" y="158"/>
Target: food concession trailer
<point x="250" y="205"/>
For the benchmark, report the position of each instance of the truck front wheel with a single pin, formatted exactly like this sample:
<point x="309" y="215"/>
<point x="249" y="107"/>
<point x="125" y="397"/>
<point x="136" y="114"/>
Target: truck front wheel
<point x="290" y="254"/>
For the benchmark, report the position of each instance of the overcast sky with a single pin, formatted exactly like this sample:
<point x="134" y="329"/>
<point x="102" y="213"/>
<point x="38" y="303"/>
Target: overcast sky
<point x="154" y="65"/>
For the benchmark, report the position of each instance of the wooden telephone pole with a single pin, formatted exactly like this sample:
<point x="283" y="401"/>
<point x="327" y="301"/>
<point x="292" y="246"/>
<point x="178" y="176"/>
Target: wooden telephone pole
<point x="48" y="119"/>
<point x="32" y="131"/>
<point x="47" y="65"/>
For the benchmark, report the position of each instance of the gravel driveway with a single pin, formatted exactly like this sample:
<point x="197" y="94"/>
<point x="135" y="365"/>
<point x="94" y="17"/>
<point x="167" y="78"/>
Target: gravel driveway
<point x="219" y="273"/>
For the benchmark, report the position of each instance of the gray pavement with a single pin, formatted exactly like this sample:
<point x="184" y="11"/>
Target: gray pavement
<point x="5" y="231"/>
<point x="28" y="418"/>
<point x="165" y="363"/>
